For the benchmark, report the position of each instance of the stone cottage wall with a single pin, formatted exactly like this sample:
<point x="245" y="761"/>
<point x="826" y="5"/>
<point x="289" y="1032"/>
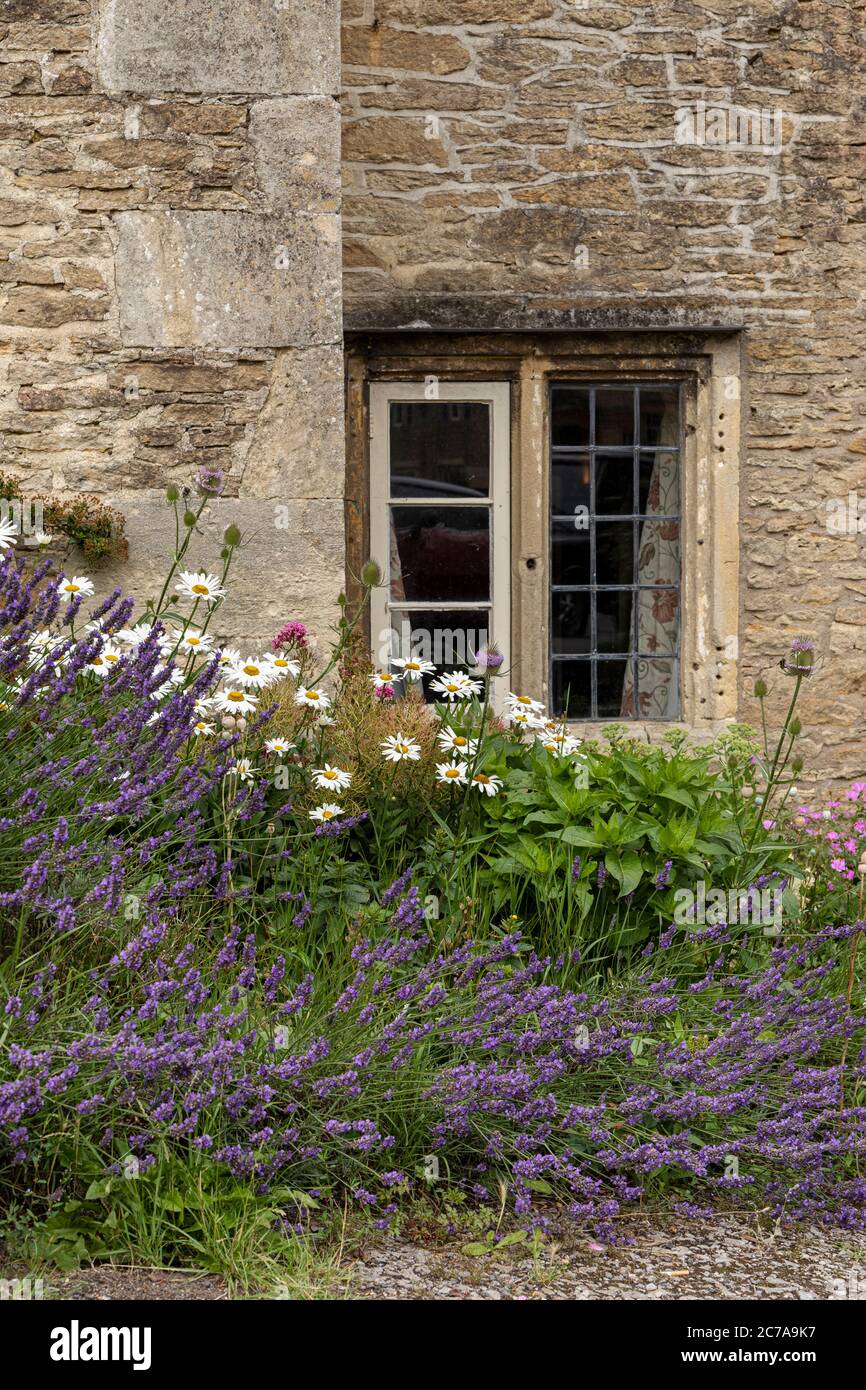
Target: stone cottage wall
<point x="516" y="162"/>
<point x="170" y="277"/>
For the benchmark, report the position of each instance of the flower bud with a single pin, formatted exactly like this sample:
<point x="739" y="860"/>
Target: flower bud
<point x="189" y="519"/>
<point x="172" y="492"/>
<point x="760" y="689"/>
<point x="371" y="574"/>
<point x="794" y="728"/>
<point x="232" y="535"/>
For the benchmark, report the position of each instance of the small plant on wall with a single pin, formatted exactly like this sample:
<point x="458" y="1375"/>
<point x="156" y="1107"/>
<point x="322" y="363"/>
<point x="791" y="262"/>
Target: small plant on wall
<point x="97" y="529"/>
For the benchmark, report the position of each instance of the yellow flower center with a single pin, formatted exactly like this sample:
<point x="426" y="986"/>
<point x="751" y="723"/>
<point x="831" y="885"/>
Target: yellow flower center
<point x="200" y="589"/>
<point x="71" y="588"/>
<point x="480" y="777"/>
<point x="332" y="776"/>
<point x="312" y="694"/>
<point x="459" y="741"/>
<point x="251" y="670"/>
<point x="402" y="748"/>
<point x="452" y="772"/>
<point x="111" y="656"/>
<point x="236" y="695"/>
<point x="327" y="815"/>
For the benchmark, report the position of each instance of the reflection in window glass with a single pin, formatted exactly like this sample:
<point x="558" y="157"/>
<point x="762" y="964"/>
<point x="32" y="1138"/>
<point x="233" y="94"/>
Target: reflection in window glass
<point x="615" y="551"/>
<point x="440" y="553"/>
<point x="440" y="449"/>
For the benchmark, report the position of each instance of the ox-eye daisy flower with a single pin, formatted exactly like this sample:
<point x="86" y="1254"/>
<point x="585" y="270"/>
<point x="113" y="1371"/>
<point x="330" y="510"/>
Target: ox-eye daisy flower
<point x="195" y="642"/>
<point x="278" y="746"/>
<point x="41" y="538"/>
<point x="228" y="657"/>
<point x="451" y="772"/>
<point x="243" y="770"/>
<point x="452" y="742"/>
<point x="380" y="679"/>
<point x="327" y="811"/>
<point x="202" y="726"/>
<point x="412" y="667"/>
<point x="396" y="748"/>
<point x="315" y="699"/>
<point x="334" y="779"/>
<point x="234" y="701"/>
<point x="281" y="665"/>
<point x="104" y="660"/>
<point x="454" y="685"/>
<point x="252" y="671"/>
<point x="199" y="586"/>
<point x="134" y="636"/>
<point x="8" y="533"/>
<point x="78" y="585"/>
<point x="524" y="703"/>
<point x="487" y="783"/>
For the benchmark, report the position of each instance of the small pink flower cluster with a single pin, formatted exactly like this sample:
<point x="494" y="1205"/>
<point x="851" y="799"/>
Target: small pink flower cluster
<point x="290" y="634"/>
<point x="840" y="830"/>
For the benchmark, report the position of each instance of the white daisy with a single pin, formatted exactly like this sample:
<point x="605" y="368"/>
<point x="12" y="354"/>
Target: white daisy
<point x="253" y="671"/>
<point x="200" y="586"/>
<point x="281" y="665"/>
<point x="524" y="704"/>
<point x="78" y="584"/>
<point x="195" y="642"/>
<point x="519" y="719"/>
<point x="454" y="743"/>
<point x="243" y="770"/>
<point x="201" y="727"/>
<point x="103" y="662"/>
<point x="278" y="746"/>
<point x="316" y="699"/>
<point x="413" y="668"/>
<point x="454" y="685"/>
<point x="380" y="679"/>
<point x="134" y="636"/>
<point x="203" y="706"/>
<point x="487" y="783"/>
<point x="229" y="656"/>
<point x="331" y="778"/>
<point x="451" y="772"/>
<point x="8" y="533"/>
<point x="396" y="748"/>
<point x="41" y="538"/>
<point x="327" y="811"/>
<point x="234" y="701"/>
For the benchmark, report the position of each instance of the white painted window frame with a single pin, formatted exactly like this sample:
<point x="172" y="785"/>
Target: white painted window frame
<point x="497" y="395"/>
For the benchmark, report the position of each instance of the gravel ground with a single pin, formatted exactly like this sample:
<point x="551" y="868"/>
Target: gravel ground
<point x="729" y="1257"/>
<point x="726" y="1258"/>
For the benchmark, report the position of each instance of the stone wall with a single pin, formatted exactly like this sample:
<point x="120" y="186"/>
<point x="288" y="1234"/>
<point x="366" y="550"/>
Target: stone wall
<point x="516" y="163"/>
<point x="170" y="278"/>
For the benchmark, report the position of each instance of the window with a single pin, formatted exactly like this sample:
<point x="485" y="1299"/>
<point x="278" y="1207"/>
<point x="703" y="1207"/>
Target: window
<point x="439" y="469"/>
<point x="573" y="495"/>
<point x="614" y="551"/>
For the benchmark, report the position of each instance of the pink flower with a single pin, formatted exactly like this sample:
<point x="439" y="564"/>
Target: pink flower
<point x="290" y="633"/>
<point x="839" y="865"/>
<point x="850" y="845"/>
<point x="384" y="692"/>
<point x="768" y="824"/>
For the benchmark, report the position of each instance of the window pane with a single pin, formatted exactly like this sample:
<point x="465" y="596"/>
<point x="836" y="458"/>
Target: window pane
<point x="614" y="621"/>
<point x="569" y="484"/>
<point x="614" y="417"/>
<point x="614" y="484"/>
<point x="659" y="414"/>
<point x="447" y="637"/>
<point x="658" y="559"/>
<point x="440" y="448"/>
<point x="572" y="623"/>
<point x="614" y="558"/>
<point x="658" y="690"/>
<point x="572" y="692"/>
<point x="611" y="686"/>
<point x="570" y="545"/>
<point x="659" y="484"/>
<point x="658" y="616"/>
<point x="440" y="553"/>
<point x="569" y="418"/>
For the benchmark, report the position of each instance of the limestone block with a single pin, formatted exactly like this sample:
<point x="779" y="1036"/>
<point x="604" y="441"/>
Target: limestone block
<point x="297" y="153"/>
<point x="274" y="47"/>
<point x="228" y="279"/>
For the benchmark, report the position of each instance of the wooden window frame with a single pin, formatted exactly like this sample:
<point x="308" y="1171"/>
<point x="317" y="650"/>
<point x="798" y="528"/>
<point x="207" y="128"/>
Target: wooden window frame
<point x="707" y="363"/>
